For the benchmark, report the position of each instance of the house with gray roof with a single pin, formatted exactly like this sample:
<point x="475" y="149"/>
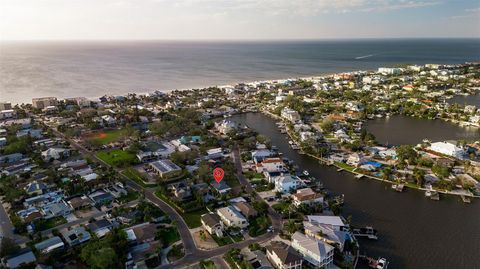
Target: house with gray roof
<point x="49" y="245"/>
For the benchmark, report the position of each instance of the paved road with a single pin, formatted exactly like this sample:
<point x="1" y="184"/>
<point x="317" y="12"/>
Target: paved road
<point x="192" y="253"/>
<point x="6" y="228"/>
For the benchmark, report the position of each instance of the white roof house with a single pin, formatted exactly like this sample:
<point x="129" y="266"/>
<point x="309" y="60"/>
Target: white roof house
<point x="290" y="114"/>
<point x="55" y="153"/>
<point x="314" y="251"/>
<point x="335" y="221"/>
<point x="231" y="217"/>
<point x="448" y="148"/>
<point x="285" y="183"/>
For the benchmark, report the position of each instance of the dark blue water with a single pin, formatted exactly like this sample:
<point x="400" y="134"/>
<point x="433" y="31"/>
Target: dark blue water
<point x="67" y="69"/>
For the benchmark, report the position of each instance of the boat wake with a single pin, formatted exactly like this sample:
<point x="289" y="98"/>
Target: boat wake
<point x="364" y="56"/>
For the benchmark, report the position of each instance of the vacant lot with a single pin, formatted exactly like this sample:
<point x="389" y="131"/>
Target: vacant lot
<point x="118" y="157"/>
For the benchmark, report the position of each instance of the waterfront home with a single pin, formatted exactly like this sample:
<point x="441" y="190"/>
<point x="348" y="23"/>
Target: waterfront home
<point x="49" y="245"/>
<point x="165" y="168"/>
<point x="337" y="222"/>
<point x="19" y="259"/>
<point x="212" y="223"/>
<point x="307" y="196"/>
<point x="290" y="114"/>
<point x="448" y="148"/>
<point x="55" y="154"/>
<point x="260" y="155"/>
<point x="283" y="256"/>
<point x="316" y="252"/>
<point x="231" y="217"/>
<point x="7" y="114"/>
<point x="327" y="234"/>
<point x="226" y="126"/>
<point x="306" y="136"/>
<point x="76" y="236"/>
<point x="271" y="165"/>
<point x="285" y="183"/>
<point x="355" y="159"/>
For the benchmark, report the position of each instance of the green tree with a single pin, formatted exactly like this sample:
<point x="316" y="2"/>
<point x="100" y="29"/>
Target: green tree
<point x="8" y="247"/>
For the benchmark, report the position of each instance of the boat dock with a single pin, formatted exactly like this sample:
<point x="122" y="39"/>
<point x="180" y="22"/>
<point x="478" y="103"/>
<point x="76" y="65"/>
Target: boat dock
<point x="359" y="176"/>
<point x="367" y="232"/>
<point x="465" y="199"/>
<point x="340" y="169"/>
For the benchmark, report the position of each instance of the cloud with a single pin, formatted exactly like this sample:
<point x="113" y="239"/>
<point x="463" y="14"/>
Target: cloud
<point x="468" y="13"/>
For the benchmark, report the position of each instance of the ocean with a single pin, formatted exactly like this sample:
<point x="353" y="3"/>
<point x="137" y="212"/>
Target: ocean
<point x="94" y="68"/>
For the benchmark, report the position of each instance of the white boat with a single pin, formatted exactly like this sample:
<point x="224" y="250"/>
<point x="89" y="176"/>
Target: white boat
<point x="382" y="263"/>
<point x="305" y="172"/>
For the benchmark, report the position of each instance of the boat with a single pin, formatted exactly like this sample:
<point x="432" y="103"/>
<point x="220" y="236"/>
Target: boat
<point x="382" y="263"/>
<point x="305" y="172"/>
<point x="434" y="195"/>
<point x="398" y="187"/>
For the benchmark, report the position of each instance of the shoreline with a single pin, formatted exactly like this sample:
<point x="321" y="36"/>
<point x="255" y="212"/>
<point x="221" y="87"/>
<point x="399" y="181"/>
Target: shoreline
<point x="324" y="162"/>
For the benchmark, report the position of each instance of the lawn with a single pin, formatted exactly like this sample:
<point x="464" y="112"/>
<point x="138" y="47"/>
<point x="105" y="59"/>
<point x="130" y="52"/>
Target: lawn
<point x="192" y="219"/>
<point x="42" y="224"/>
<point x="344" y="166"/>
<point x="207" y="264"/>
<point x="137" y="177"/>
<point x="258" y="226"/>
<point x="131" y="195"/>
<point x="222" y="241"/>
<point x="168" y="235"/>
<point x="104" y="138"/>
<point x="117" y="157"/>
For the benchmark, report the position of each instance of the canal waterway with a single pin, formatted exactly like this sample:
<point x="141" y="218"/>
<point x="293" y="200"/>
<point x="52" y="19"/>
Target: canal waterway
<point x="398" y="130"/>
<point x="415" y="232"/>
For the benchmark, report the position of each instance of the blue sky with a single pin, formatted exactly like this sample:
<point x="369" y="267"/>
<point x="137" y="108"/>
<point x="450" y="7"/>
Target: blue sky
<point x="236" y="19"/>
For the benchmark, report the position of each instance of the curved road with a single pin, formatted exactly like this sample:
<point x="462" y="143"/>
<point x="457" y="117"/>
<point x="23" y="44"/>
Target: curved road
<point x="192" y="253"/>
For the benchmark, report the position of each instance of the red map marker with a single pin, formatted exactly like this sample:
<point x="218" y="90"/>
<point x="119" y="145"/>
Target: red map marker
<point x="218" y="174"/>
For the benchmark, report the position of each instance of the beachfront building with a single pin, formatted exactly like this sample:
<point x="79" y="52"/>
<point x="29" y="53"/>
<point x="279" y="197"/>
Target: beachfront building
<point x="316" y="252"/>
<point x="448" y="148"/>
<point x="44" y="102"/>
<point x="290" y="114"/>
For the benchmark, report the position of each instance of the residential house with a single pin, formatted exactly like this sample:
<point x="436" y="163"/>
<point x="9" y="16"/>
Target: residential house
<point x="290" y="114"/>
<point x="41" y="103"/>
<point x="216" y="153"/>
<point x="355" y="159"/>
<point x="337" y="222"/>
<point x="76" y="236"/>
<point x="56" y="209"/>
<point x="316" y="252"/>
<point x="448" y="148"/>
<point x="327" y="234"/>
<point x="49" y="245"/>
<point x="212" y="223"/>
<point x="261" y="154"/>
<point x="271" y="165"/>
<point x="55" y="154"/>
<point x="283" y="256"/>
<point x="226" y="126"/>
<point x="36" y="188"/>
<point x="100" y="227"/>
<point x="101" y="197"/>
<point x="165" y="168"/>
<point x="144" y="232"/>
<point x="246" y="209"/>
<point x="19" y="259"/>
<point x="80" y="202"/>
<point x="181" y="190"/>
<point x="285" y="183"/>
<point x="307" y="196"/>
<point x="221" y="187"/>
<point x="231" y="217"/>
<point x="257" y="259"/>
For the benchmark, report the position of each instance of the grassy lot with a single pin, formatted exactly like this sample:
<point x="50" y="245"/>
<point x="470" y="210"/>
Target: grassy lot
<point x="192" y="219"/>
<point x="258" y="226"/>
<point x="104" y="138"/>
<point x="131" y="195"/>
<point x="42" y="224"/>
<point x="137" y="177"/>
<point x="253" y="175"/>
<point x="222" y="241"/>
<point x="207" y="264"/>
<point x="344" y="166"/>
<point x="168" y="235"/>
<point x="117" y="157"/>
